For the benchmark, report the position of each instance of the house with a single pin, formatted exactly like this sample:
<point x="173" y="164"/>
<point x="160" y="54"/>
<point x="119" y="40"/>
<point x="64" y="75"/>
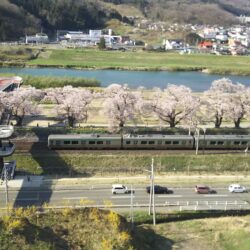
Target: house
<point x="37" y="39"/>
<point x="205" y="45"/>
<point x="170" y="44"/>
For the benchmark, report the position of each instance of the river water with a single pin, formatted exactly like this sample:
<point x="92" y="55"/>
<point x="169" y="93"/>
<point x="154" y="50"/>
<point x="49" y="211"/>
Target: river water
<point x="197" y="81"/>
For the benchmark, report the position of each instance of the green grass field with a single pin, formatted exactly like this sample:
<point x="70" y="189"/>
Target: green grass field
<point x="114" y="163"/>
<point x="226" y="233"/>
<point x="142" y="60"/>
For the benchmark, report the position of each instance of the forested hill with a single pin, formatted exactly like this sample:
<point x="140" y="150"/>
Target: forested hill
<point x="20" y="17"/>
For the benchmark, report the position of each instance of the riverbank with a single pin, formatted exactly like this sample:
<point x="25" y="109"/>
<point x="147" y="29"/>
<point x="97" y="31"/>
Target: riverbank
<point x="142" y="60"/>
<point x="93" y="59"/>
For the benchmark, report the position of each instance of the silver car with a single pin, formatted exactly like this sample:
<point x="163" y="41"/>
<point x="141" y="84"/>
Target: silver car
<point x="237" y="188"/>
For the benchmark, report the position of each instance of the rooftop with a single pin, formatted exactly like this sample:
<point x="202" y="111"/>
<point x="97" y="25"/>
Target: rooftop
<point x="9" y="83"/>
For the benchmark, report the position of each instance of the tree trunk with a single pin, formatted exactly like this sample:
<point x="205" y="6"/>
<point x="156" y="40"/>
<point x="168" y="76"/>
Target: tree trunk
<point x="237" y="123"/>
<point x="121" y="126"/>
<point x="172" y="122"/>
<point x="19" y="121"/>
<point x="71" y="121"/>
<point x="218" y="122"/>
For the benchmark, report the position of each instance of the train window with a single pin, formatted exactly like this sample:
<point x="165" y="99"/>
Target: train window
<point x="127" y="142"/>
<point x="236" y="142"/>
<point x="143" y="142"/>
<point x="176" y="142"/>
<point x="151" y="142"/>
<point x="66" y="142"/>
<point x="74" y="142"/>
<point x="83" y="142"/>
<point x="212" y="142"/>
<point x="100" y="142"/>
<point x="244" y="143"/>
<point x="57" y="142"/>
<point x="220" y="142"/>
<point x="91" y="142"/>
<point x="159" y="142"/>
<point x="108" y="142"/>
<point x="135" y="142"/>
<point x="167" y="142"/>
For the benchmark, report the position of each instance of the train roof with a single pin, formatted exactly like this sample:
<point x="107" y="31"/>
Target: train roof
<point x="224" y="137"/>
<point x="82" y="136"/>
<point x="158" y="136"/>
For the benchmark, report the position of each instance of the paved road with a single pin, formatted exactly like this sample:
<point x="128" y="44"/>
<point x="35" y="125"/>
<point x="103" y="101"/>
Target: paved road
<point x="71" y="195"/>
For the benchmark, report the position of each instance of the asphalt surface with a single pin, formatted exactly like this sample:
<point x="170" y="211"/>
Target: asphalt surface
<point x="181" y="198"/>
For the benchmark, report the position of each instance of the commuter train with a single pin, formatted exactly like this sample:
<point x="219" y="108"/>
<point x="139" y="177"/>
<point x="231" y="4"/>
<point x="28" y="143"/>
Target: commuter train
<point x="157" y="141"/>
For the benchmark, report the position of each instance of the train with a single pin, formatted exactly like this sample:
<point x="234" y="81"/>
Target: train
<point x="154" y="141"/>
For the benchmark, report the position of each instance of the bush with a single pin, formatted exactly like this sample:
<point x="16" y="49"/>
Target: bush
<point x="42" y="82"/>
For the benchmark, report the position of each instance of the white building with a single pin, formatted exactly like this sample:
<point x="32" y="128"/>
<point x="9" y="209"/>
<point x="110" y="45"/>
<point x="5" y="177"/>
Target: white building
<point x="38" y="38"/>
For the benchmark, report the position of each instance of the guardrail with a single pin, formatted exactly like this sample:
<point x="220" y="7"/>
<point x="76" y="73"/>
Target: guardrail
<point x="209" y="205"/>
<point x="173" y="206"/>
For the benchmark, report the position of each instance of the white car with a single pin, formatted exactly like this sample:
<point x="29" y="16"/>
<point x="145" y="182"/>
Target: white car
<point x="237" y="188"/>
<point x="119" y="189"/>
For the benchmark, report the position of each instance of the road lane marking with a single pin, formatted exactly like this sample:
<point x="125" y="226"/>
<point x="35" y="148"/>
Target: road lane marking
<point x="74" y="198"/>
<point x="216" y="195"/>
<point x="169" y="196"/>
<point x="26" y="199"/>
<point x="122" y="197"/>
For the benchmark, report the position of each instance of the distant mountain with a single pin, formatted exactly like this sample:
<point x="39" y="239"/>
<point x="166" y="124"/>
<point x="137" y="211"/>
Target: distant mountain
<point x="20" y="17"/>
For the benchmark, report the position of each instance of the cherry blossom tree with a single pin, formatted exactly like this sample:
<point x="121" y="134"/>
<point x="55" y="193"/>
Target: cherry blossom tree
<point x="121" y="105"/>
<point x="239" y="106"/>
<point x="20" y="102"/>
<point x="72" y="103"/>
<point x="215" y="101"/>
<point x="175" y="104"/>
<point x="227" y="100"/>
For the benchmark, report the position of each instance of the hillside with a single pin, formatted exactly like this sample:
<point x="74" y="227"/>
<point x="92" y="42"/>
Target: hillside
<point x="94" y="229"/>
<point x="89" y="229"/>
<point x="20" y="17"/>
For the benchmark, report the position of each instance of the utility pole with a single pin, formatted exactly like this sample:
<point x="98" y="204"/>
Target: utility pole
<point x="132" y="208"/>
<point x="6" y="186"/>
<point x="152" y="193"/>
<point x="197" y="140"/>
<point x="204" y="139"/>
<point x="151" y="187"/>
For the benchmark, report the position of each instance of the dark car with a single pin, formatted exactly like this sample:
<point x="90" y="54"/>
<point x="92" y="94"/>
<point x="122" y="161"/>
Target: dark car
<point x="159" y="190"/>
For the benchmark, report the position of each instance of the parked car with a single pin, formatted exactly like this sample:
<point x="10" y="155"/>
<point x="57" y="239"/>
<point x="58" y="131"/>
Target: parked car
<point x="120" y="189"/>
<point x="237" y="188"/>
<point x="202" y="189"/>
<point x="159" y="190"/>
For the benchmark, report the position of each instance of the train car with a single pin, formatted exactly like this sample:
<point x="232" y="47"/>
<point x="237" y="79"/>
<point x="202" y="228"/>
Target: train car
<point x="84" y="141"/>
<point x="158" y="142"/>
<point x="223" y="141"/>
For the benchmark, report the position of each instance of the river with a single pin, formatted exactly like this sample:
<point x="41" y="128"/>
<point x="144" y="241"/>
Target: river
<point x="197" y="81"/>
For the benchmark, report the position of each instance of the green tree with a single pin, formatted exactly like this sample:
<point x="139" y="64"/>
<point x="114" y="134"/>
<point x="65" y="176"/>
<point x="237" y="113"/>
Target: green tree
<point x="102" y="44"/>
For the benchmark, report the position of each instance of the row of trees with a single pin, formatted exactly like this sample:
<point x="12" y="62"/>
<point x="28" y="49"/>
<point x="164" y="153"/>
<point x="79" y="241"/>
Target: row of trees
<point x="173" y="105"/>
